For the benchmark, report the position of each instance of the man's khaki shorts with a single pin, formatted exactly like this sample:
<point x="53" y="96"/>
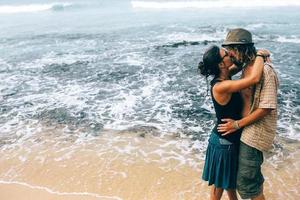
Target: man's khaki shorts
<point x="249" y="177"/>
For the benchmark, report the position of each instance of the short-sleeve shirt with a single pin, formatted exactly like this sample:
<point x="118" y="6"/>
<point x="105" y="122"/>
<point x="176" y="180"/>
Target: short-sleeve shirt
<point x="260" y="134"/>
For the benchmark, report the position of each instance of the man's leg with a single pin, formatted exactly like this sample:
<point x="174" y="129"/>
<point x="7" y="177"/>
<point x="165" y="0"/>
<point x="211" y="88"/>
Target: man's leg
<point x="215" y="193"/>
<point x="249" y="177"/>
<point x="261" y="196"/>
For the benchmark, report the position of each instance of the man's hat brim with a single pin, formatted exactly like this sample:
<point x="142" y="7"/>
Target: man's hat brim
<point x="233" y="43"/>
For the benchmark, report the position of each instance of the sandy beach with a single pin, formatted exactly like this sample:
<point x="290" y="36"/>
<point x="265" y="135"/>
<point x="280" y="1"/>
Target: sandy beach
<point x="132" y="166"/>
<point x="103" y="99"/>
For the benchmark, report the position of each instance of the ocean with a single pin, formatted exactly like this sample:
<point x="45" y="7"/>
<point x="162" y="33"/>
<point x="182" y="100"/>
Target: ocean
<point x="85" y="69"/>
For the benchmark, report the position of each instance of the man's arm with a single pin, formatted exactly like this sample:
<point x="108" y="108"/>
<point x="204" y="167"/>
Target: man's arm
<point x="231" y="125"/>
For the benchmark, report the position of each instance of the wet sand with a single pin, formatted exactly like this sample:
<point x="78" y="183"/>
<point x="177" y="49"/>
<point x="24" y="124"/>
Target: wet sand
<point x="129" y="167"/>
<point x="16" y="191"/>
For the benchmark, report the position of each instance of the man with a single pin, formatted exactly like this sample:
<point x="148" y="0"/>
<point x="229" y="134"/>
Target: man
<point x="259" y="115"/>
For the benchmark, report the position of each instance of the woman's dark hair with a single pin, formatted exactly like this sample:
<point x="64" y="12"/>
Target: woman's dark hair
<point x="210" y="63"/>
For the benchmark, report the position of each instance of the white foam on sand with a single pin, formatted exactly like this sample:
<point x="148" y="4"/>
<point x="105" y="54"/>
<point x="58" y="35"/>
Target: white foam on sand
<point x="115" y="157"/>
<point x="86" y="194"/>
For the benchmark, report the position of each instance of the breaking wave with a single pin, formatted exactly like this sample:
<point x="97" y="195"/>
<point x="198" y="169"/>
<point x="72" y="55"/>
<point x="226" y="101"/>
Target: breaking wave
<point x="212" y="4"/>
<point x="30" y="8"/>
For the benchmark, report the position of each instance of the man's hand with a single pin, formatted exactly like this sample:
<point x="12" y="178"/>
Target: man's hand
<point x="227" y="127"/>
<point x="230" y="125"/>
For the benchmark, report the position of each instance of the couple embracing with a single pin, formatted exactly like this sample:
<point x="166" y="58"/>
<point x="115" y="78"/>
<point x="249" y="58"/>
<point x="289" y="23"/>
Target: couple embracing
<point x="246" y="111"/>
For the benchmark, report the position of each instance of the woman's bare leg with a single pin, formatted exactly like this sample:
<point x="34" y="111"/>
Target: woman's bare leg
<point x="215" y="193"/>
<point x="232" y="194"/>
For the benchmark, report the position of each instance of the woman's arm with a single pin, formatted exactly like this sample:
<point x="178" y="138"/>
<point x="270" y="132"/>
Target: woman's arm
<point x="230" y="86"/>
<point x="234" y="69"/>
<point x="231" y="125"/>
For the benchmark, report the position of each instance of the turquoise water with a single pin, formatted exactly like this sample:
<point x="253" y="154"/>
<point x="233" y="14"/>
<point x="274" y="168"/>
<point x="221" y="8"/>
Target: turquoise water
<point x="121" y="64"/>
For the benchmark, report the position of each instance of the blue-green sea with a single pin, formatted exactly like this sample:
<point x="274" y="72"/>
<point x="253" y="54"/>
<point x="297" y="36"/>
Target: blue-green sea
<point x="122" y="65"/>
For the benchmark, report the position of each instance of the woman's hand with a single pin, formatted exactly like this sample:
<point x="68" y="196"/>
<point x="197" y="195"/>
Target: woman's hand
<point x="227" y="127"/>
<point x="266" y="53"/>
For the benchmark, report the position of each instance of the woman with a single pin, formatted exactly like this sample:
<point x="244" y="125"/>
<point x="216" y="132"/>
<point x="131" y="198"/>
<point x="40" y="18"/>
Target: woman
<point x="222" y="152"/>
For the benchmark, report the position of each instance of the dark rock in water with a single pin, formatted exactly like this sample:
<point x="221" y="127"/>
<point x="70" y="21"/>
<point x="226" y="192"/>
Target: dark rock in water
<point x="57" y="7"/>
<point x="12" y="93"/>
<point x="176" y="135"/>
<point x="5" y="109"/>
<point x="205" y="42"/>
<point x="194" y="43"/>
<point x="64" y="70"/>
<point x="59" y="115"/>
<point x="142" y="135"/>
<point x="74" y="121"/>
<point x="143" y="130"/>
<point x="184" y="43"/>
<point x="27" y="103"/>
<point x="95" y="128"/>
<point x="81" y="114"/>
<point x="56" y="68"/>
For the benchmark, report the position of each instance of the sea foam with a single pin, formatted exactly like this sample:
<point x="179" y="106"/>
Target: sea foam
<point x="86" y="194"/>
<point x="30" y="8"/>
<point x="212" y="4"/>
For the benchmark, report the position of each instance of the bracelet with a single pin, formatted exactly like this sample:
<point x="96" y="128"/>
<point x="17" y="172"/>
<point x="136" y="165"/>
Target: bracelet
<point x="263" y="56"/>
<point x="236" y="125"/>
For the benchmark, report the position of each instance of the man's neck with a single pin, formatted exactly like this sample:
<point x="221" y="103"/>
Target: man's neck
<point x="248" y="67"/>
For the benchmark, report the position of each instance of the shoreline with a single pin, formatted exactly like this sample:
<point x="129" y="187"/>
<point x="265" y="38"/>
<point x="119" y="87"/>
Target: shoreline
<point x="15" y="190"/>
<point x="125" y="166"/>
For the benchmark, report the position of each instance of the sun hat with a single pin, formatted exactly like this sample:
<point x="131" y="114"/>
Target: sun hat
<point x="238" y="36"/>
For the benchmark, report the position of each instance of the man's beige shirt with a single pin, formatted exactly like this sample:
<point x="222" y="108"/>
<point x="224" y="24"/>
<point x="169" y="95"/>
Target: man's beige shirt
<point x="260" y="134"/>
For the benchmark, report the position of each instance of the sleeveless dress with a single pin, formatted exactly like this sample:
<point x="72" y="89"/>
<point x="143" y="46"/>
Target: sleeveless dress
<point x="221" y="160"/>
